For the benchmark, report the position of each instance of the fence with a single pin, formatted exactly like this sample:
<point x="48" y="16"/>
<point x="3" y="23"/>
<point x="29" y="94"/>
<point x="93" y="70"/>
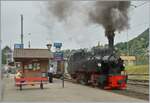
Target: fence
<point x="141" y="77"/>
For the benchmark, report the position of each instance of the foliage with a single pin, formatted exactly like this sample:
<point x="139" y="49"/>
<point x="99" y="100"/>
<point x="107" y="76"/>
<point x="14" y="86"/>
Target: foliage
<point x="4" y="51"/>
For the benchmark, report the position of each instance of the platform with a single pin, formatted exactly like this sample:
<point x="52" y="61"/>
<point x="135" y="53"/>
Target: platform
<point x="55" y="93"/>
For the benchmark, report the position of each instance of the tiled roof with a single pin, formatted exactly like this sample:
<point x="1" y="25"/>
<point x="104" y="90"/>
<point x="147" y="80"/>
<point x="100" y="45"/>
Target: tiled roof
<point x="32" y="53"/>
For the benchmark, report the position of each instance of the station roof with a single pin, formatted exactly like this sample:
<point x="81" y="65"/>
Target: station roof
<point x="31" y="53"/>
<point x="131" y="58"/>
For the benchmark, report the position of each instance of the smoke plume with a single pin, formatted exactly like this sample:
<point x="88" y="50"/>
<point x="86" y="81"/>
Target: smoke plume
<point x="112" y="14"/>
<point x="60" y="8"/>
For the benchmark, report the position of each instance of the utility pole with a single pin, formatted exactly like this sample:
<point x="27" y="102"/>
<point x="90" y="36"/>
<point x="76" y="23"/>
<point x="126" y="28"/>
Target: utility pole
<point x="0" y="71"/>
<point x="29" y="42"/>
<point x="127" y="44"/>
<point x="21" y="29"/>
<point x="128" y="49"/>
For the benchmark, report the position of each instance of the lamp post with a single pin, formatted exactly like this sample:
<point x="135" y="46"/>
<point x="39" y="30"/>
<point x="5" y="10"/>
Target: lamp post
<point x="49" y="49"/>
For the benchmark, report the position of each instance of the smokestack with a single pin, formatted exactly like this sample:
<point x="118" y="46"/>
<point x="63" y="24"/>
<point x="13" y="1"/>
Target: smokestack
<point x="109" y="33"/>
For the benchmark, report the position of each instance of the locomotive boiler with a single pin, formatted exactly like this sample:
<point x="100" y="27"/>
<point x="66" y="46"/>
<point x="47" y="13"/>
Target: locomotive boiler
<point x="99" y="67"/>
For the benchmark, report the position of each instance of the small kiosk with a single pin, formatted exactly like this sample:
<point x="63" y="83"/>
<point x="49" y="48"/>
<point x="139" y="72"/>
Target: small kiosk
<point x="33" y="64"/>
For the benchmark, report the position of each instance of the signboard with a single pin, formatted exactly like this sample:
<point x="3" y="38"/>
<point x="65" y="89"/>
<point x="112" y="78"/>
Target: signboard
<point x="18" y="46"/>
<point x="57" y="45"/>
<point x="58" y="56"/>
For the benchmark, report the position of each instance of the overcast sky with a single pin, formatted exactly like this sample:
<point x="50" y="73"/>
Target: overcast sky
<point x="75" y="33"/>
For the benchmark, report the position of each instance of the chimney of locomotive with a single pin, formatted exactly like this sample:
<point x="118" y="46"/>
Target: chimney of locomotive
<point x="109" y="32"/>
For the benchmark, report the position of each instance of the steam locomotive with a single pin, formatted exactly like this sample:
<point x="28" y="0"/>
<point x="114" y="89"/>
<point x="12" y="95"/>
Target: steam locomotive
<point x="99" y="67"/>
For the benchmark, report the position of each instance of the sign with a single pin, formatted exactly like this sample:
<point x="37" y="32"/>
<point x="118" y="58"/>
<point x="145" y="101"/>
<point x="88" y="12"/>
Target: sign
<point x="57" y="45"/>
<point x="18" y="46"/>
<point x="58" y="56"/>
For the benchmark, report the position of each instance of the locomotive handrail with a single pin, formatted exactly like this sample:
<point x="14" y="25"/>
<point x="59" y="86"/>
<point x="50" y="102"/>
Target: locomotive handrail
<point x="124" y="72"/>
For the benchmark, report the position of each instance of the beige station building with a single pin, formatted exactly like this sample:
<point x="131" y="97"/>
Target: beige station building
<point x="129" y="60"/>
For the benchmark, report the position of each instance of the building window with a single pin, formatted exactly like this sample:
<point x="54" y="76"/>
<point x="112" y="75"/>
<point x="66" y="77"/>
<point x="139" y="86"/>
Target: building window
<point x="30" y="66"/>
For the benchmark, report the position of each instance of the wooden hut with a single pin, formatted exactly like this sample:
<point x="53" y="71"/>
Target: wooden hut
<point x="32" y="62"/>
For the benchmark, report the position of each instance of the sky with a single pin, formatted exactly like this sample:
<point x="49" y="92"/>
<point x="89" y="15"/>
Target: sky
<point x="74" y="33"/>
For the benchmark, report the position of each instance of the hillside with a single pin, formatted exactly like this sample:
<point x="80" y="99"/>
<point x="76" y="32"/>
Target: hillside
<point x="137" y="47"/>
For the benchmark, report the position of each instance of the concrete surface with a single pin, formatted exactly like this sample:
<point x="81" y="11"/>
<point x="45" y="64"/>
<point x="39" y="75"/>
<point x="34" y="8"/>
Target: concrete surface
<point x="55" y="93"/>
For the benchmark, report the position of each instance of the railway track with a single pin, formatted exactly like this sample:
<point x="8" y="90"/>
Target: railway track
<point x="130" y="81"/>
<point x="138" y="82"/>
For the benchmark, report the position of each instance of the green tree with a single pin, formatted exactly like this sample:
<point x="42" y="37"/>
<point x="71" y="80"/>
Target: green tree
<point x="5" y="50"/>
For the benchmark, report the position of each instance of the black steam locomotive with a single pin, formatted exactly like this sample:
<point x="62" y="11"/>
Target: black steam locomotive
<point x="100" y="67"/>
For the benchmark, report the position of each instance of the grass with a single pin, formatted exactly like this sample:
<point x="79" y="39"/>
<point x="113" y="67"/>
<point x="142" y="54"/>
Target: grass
<point x="138" y="69"/>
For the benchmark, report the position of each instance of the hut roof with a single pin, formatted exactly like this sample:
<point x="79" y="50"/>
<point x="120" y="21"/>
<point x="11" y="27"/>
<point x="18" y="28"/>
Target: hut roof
<point x="31" y="53"/>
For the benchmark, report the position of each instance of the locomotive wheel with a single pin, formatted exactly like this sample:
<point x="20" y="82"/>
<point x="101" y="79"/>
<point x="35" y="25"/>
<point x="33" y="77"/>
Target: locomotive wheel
<point x="102" y="81"/>
<point x="83" y="82"/>
<point x="101" y="85"/>
<point x="83" y="79"/>
<point x="78" y="78"/>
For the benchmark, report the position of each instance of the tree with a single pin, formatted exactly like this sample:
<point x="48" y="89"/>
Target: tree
<point x="5" y="52"/>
